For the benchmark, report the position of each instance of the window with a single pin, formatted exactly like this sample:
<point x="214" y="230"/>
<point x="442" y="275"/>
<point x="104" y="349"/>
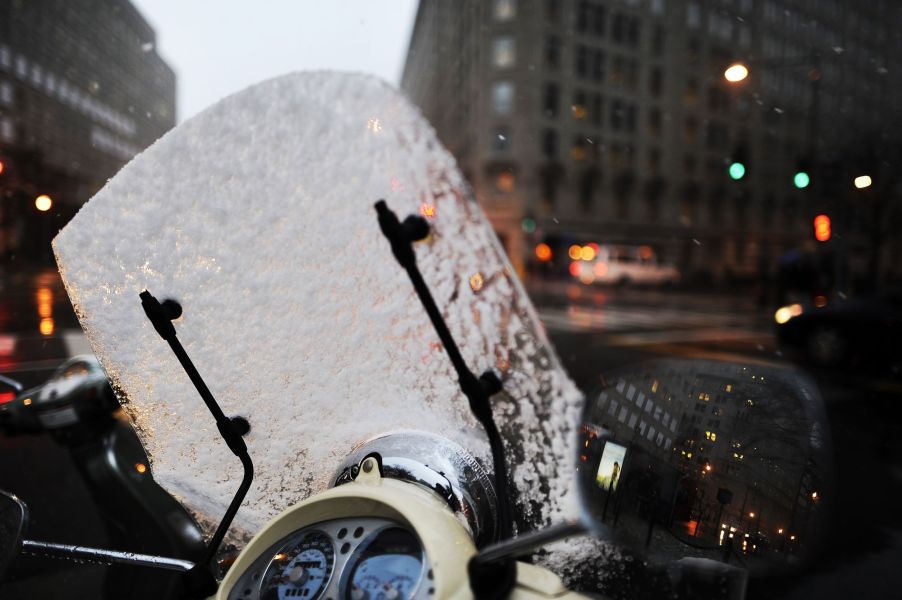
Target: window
<point x="654" y="122"/>
<point x="630" y="118"/>
<point x="553" y="11"/>
<point x="549" y="143"/>
<point x="578" y="108"/>
<point x="582" y="61"/>
<point x="582" y="16"/>
<point x="503" y="52"/>
<point x="502" y="97"/>
<point x="691" y="95"/>
<point x="7" y="132"/>
<point x="717" y="135"/>
<point x="654" y="159"/>
<point x="553" y="51"/>
<point x="617" y="110"/>
<point x="599" y="21"/>
<point x="657" y="41"/>
<point x="619" y="29"/>
<point x="505" y="10"/>
<point x="632" y="33"/>
<point x="657" y="7"/>
<point x="590" y="18"/>
<point x="694" y="15"/>
<point x="596" y="111"/>
<point x="6" y="94"/>
<point x="578" y="149"/>
<point x="588" y="184"/>
<point x="551" y="100"/>
<point x="656" y="81"/>
<point x="598" y="65"/>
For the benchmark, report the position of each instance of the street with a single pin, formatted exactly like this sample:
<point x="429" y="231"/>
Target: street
<point x="594" y="329"/>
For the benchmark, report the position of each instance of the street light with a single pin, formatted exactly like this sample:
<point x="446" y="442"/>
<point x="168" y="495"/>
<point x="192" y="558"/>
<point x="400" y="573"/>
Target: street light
<point x="43" y="203"/>
<point x="863" y="181"/>
<point x="736" y="73"/>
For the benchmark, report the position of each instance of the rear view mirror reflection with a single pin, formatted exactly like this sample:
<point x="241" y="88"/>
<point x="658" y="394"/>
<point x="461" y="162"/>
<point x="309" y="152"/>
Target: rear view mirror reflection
<point x="709" y="460"/>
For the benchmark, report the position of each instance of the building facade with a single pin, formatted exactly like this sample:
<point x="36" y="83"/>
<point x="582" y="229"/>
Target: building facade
<point x="611" y="121"/>
<point x="82" y="90"/>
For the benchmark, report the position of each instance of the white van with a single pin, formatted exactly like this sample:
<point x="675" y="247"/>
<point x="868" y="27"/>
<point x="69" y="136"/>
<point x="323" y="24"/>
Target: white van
<point x="624" y="265"/>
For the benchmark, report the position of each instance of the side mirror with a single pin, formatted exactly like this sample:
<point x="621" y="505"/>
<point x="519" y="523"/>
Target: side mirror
<point x="709" y="460"/>
<point x="13" y="517"/>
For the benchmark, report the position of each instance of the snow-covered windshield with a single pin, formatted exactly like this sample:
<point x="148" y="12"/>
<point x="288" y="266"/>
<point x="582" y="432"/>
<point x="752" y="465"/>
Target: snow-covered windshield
<point x="295" y="312"/>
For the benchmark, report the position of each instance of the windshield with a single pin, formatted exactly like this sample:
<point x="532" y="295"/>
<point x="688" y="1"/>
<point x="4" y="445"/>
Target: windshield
<point x="671" y="179"/>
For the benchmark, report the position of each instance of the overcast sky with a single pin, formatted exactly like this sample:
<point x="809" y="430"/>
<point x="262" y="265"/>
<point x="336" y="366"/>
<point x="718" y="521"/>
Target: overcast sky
<point x="219" y="47"/>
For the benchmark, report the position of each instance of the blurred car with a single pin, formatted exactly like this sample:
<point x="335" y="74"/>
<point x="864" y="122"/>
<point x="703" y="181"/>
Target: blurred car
<point x="621" y="265"/>
<point x="78" y="392"/>
<point x="861" y="333"/>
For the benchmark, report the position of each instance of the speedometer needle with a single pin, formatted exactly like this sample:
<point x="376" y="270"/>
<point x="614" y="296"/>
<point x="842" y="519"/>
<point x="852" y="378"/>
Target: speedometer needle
<point x="297" y="574"/>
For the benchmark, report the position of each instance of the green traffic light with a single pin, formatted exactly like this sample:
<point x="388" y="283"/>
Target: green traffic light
<point x="801" y="180"/>
<point x="737" y="170"/>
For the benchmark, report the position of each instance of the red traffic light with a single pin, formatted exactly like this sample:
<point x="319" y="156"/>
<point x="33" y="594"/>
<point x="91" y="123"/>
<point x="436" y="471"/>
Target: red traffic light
<point x="822" y="228"/>
<point x="1" y="167"/>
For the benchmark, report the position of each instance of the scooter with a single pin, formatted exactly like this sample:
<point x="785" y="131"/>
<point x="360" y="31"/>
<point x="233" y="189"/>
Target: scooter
<point x="413" y="515"/>
<point x="77" y="407"/>
<point x="378" y="468"/>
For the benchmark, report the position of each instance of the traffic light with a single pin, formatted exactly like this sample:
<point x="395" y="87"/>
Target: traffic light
<point x="738" y="164"/>
<point x="822" y="228"/>
<point x="801" y="178"/>
<point x="2" y="166"/>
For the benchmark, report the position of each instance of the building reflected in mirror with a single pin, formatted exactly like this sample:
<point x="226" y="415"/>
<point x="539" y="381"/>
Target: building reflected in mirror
<point x="707" y="459"/>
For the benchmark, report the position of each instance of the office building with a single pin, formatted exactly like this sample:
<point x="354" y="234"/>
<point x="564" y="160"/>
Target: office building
<point x="82" y="90"/>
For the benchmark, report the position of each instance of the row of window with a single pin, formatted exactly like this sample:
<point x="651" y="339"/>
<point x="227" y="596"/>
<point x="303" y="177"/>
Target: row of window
<point x="623" y="115"/>
<point x="60" y="88"/>
<point x="592" y="18"/>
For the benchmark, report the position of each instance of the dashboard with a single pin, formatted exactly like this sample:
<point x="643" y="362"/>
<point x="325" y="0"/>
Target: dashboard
<point x="340" y="559"/>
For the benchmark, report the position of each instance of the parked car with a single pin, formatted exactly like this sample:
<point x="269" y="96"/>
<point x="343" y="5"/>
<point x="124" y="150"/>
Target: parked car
<point x="622" y="265"/>
<point x="863" y="333"/>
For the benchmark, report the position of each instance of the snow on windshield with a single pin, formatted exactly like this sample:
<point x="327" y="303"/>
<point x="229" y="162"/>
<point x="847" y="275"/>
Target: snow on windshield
<point x="257" y="216"/>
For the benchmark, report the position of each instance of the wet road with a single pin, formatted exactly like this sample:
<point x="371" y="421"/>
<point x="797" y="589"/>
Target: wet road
<point x="38" y="329"/>
<point x="594" y="329"/>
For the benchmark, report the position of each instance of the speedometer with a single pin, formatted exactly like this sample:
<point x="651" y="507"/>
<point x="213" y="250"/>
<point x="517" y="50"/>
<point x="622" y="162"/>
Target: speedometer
<point x="300" y="569"/>
<point x="387" y="566"/>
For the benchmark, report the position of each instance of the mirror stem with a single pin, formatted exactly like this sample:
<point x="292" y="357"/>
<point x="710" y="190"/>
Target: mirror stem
<point x="477" y="390"/>
<point x="161" y="316"/>
<point x="529" y="542"/>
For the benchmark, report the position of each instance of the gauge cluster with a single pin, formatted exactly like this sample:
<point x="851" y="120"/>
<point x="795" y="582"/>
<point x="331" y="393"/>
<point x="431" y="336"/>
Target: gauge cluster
<point x="341" y="559"/>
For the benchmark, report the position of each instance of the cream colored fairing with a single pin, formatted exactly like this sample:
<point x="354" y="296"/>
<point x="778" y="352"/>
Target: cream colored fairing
<point x="446" y="541"/>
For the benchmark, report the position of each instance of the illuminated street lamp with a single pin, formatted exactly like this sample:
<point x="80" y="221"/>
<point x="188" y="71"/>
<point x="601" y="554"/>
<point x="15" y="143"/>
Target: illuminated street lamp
<point x="43" y="203"/>
<point x="863" y="181"/>
<point x="736" y="73"/>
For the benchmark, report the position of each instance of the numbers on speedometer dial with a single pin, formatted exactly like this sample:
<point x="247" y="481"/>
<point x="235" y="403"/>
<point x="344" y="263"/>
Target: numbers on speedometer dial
<point x="300" y="569"/>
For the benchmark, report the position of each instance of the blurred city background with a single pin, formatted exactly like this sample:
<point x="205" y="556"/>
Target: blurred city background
<point x="694" y="178"/>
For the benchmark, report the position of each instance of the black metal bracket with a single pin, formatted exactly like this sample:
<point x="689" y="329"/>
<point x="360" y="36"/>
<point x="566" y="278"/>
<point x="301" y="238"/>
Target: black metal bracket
<point x="161" y="315"/>
<point x="500" y="576"/>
